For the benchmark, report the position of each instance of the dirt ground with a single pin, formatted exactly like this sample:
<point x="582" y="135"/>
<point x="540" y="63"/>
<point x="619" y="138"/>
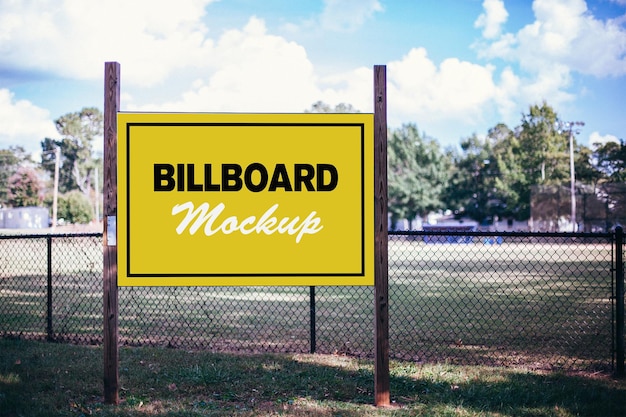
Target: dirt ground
<point x="92" y="227"/>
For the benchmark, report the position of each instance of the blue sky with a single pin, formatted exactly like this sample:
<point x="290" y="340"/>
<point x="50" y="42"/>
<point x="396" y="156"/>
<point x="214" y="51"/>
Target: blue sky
<point x="454" y="67"/>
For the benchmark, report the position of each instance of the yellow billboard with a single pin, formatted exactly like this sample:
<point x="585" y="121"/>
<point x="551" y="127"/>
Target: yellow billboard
<point x="245" y="199"/>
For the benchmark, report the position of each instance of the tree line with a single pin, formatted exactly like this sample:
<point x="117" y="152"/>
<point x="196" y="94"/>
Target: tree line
<point x="485" y="178"/>
<point x="490" y="177"/>
<point x="25" y="182"/>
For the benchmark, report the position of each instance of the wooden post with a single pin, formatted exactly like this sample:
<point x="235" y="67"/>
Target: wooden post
<point x="381" y="279"/>
<point x="110" y="342"/>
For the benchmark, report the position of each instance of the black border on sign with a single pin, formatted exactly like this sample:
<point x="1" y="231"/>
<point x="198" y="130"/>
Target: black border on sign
<point x="244" y="124"/>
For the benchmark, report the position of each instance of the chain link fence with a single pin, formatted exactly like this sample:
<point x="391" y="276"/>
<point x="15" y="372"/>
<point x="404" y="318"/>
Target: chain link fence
<point x="598" y="208"/>
<point x="512" y="299"/>
<point x="51" y="287"/>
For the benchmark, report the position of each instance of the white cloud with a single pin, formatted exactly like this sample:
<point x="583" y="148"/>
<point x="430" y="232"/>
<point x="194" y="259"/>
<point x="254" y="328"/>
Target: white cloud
<point x="257" y="72"/>
<point x="73" y="38"/>
<point x="507" y="96"/>
<point x="261" y="72"/>
<point x="595" y="138"/>
<point x="347" y="15"/>
<point x="276" y="76"/>
<point x="564" y="39"/>
<point x="549" y="84"/>
<point x="251" y="70"/>
<point x="354" y="87"/>
<point x="22" y="123"/>
<point x="494" y="17"/>
<point x="564" y="33"/>
<point x="454" y="90"/>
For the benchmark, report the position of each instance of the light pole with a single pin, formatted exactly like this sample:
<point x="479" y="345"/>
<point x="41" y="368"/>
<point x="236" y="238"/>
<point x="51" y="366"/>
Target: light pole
<point x="55" y="195"/>
<point x="569" y="126"/>
<point x="57" y="156"/>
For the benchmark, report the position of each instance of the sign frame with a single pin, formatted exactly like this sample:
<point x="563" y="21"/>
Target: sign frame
<point x="132" y="143"/>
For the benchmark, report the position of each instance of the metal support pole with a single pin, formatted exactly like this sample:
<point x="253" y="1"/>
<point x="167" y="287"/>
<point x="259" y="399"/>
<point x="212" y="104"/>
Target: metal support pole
<point x="570" y="126"/>
<point x="49" y="290"/>
<point x="619" y="301"/>
<point x="573" y="180"/>
<point x="55" y="196"/>
<point x="312" y="317"/>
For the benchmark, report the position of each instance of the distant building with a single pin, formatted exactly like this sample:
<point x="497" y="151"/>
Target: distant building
<point x="24" y="218"/>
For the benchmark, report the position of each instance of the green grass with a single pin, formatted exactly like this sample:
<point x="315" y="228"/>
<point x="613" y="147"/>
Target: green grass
<point x="46" y="379"/>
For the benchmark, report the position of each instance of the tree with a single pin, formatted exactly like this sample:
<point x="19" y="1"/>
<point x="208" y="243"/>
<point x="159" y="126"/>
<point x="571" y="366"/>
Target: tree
<point x="321" y="107"/>
<point x="611" y="160"/>
<point x="79" y="129"/>
<point x="25" y="188"/>
<point x="543" y="150"/>
<point x="540" y="154"/>
<point x="74" y="207"/>
<point x="418" y="174"/>
<point x="510" y="179"/>
<point x="10" y="160"/>
<point x="484" y="176"/>
<point x="585" y="170"/>
<point x="69" y="157"/>
<point x="471" y="190"/>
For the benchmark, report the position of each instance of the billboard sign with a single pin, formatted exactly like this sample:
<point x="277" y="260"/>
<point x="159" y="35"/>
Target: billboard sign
<point x="245" y="199"/>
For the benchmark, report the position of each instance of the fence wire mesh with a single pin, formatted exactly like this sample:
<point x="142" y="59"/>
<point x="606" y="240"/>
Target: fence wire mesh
<point x="599" y="208"/>
<point x="51" y="287"/>
<point x="534" y="300"/>
<point x="538" y="301"/>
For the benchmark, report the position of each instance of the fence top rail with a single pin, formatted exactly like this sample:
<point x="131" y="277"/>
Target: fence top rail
<point x="48" y="235"/>
<point x="605" y="235"/>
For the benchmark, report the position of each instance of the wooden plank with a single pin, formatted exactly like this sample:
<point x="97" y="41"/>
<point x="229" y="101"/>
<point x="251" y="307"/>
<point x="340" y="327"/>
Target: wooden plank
<point x="381" y="279"/>
<point x="111" y="351"/>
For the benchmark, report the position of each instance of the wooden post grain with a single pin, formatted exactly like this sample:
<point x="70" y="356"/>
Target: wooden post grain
<point x="110" y="342"/>
<point x="381" y="280"/>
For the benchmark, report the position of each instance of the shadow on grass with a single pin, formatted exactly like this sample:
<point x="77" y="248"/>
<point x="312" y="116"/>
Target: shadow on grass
<point x="44" y="379"/>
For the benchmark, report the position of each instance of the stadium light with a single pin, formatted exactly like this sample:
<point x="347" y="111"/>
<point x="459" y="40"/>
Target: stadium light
<point x="570" y="127"/>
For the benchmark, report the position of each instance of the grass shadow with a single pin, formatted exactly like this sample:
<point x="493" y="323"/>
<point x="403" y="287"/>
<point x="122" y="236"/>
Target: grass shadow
<point x="43" y="379"/>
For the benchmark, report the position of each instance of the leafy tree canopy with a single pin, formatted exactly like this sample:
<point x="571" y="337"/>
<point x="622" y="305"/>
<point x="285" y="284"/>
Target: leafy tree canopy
<point x="472" y="189"/>
<point x="78" y="131"/>
<point x="74" y="208"/>
<point x="418" y="173"/>
<point x="25" y="188"/>
<point x="10" y="161"/>
<point x="611" y="160"/>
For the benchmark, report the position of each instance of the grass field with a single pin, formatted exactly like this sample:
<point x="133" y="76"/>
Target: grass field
<point x="44" y="379"/>
<point x="525" y="303"/>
